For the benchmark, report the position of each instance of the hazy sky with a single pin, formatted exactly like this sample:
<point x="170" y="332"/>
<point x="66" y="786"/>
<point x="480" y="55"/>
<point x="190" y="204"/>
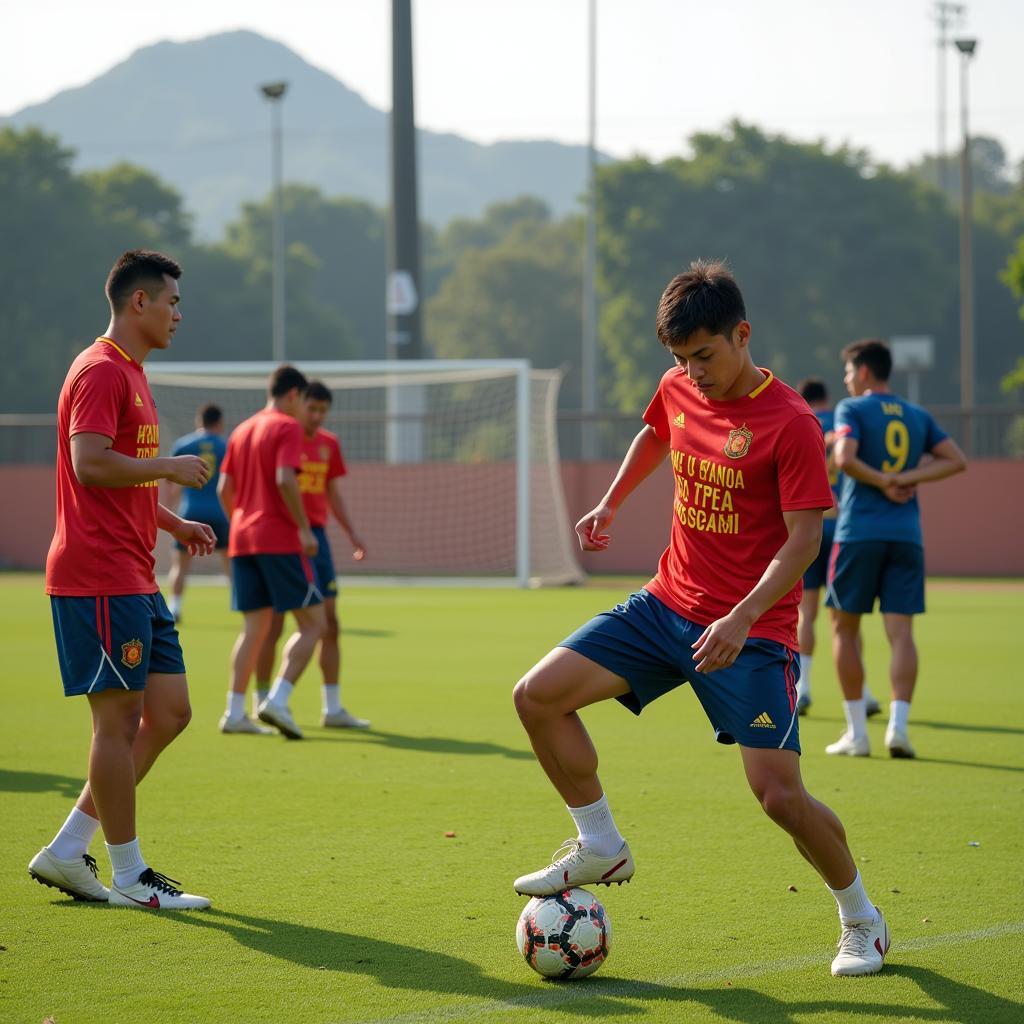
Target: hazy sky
<point x="862" y="71"/>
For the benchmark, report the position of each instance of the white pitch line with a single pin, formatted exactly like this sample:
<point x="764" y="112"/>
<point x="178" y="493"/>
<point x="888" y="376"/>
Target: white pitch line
<point x="571" y="992"/>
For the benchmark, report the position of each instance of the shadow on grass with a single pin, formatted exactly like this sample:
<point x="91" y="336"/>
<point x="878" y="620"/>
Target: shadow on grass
<point x="967" y="727"/>
<point x="970" y="764"/>
<point x="39" y="782"/>
<point x="424" y="744"/>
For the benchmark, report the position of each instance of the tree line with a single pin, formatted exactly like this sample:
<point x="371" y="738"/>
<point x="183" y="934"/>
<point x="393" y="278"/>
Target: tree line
<point x="828" y="246"/>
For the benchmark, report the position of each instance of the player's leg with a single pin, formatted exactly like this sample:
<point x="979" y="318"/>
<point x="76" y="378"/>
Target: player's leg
<point x="808" y="614"/>
<point x="774" y="778"/>
<point x="547" y="700"/>
<point x="846" y="651"/>
<point x="255" y="627"/>
<point x="335" y="715"/>
<point x="266" y="660"/>
<point x="181" y="562"/>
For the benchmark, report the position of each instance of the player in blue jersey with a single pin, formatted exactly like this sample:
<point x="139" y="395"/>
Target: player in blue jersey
<point x="881" y="440"/>
<point x="200" y="505"/>
<point x="815" y="394"/>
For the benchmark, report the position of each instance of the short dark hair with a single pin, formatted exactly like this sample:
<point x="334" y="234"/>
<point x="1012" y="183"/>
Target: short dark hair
<point x="318" y="391"/>
<point x="135" y="269"/>
<point x="812" y="389"/>
<point x="210" y="415"/>
<point x="872" y="353"/>
<point x="705" y="296"/>
<point x="284" y="379"/>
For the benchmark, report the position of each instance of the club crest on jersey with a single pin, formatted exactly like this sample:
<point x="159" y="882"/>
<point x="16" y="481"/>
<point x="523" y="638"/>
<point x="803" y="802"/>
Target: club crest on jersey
<point x="680" y="421"/>
<point x="738" y="443"/>
<point x="324" y="452"/>
<point x="131" y="653"/>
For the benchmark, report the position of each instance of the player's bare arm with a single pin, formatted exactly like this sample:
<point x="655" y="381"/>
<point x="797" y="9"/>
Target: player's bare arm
<point x="288" y="485"/>
<point x="890" y="484"/>
<point x="198" y="538"/>
<point x="226" y="493"/>
<point x="720" y="644"/>
<point x="96" y="464"/>
<point x="340" y="512"/>
<point x="947" y="459"/>
<point x="645" y="454"/>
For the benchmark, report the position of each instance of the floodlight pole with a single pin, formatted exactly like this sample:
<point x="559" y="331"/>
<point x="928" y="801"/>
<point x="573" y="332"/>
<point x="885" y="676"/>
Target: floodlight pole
<point x="588" y="355"/>
<point x="966" y="48"/>
<point x="946" y="15"/>
<point x="274" y="92"/>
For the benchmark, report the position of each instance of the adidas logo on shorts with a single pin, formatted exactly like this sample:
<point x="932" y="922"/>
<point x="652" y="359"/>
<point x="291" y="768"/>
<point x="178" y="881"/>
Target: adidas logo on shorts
<point x="763" y="721"/>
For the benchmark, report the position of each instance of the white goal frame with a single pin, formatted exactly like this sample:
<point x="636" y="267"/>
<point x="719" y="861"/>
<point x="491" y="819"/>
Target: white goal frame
<point x="398" y="370"/>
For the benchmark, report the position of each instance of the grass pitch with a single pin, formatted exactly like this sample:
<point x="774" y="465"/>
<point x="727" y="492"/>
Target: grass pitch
<point x="339" y="898"/>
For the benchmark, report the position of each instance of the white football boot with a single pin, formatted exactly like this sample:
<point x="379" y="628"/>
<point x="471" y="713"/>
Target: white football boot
<point x="343" y="720"/>
<point x="574" y="866"/>
<point x="243" y="723"/>
<point x="862" y="948"/>
<point x="897" y="743"/>
<point x="846" y="744"/>
<point x="76" y="877"/>
<point x="154" y="891"/>
<point x="281" y="718"/>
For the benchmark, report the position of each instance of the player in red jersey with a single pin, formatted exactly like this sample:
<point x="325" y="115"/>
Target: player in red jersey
<point x="323" y="466"/>
<point x="751" y="487"/>
<point x="270" y="546"/>
<point x="116" y="640"/>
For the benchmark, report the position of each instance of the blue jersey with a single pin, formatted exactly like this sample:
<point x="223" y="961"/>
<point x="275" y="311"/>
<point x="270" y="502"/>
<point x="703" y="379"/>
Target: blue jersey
<point x="202" y="504"/>
<point x="827" y="419"/>
<point x="891" y="434"/>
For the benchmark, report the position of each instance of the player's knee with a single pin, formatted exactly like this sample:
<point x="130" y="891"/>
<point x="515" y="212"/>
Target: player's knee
<point x="122" y="727"/>
<point x="526" y="707"/>
<point x="332" y="627"/>
<point x="782" y="802"/>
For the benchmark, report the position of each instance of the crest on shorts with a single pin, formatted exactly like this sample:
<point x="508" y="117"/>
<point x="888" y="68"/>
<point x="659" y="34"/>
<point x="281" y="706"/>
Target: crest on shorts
<point x="738" y="443"/>
<point x="131" y="653"/>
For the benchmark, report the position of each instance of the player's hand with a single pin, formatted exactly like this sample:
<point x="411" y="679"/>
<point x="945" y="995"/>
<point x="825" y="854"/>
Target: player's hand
<point x="591" y="529"/>
<point x="309" y="542"/>
<point x="898" y="491"/>
<point x="197" y="538"/>
<point x="358" y="548"/>
<point x="720" y="644"/>
<point x="187" y="470"/>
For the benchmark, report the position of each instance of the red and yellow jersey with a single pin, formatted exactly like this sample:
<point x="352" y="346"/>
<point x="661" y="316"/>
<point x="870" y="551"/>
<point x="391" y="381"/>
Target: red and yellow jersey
<point x="260" y="521"/>
<point x="104" y="539"/>
<point x="738" y="466"/>
<point x="322" y="462"/>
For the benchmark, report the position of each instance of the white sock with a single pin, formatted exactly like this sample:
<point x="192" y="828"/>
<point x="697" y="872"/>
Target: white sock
<point x="596" y="828"/>
<point x="899" y="712"/>
<point x="331" y="696"/>
<point x="75" y="835"/>
<point x="856" y="718"/>
<point x="236" y="704"/>
<point x="803" y="687"/>
<point x="261" y="693"/>
<point x="853" y="902"/>
<point x="174" y="604"/>
<point x="127" y="862"/>
<point x="281" y="692"/>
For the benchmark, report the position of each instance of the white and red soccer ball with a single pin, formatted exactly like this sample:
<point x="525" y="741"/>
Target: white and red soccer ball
<point x="567" y="935"/>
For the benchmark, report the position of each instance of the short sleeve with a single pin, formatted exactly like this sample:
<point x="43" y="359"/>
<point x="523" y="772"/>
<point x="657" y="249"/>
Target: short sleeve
<point x="178" y="446"/>
<point x="97" y="400"/>
<point x="289" y="445"/>
<point x="336" y="464"/>
<point x="655" y="416"/>
<point x="801" y="466"/>
<point x="847" y="421"/>
<point x="934" y="434"/>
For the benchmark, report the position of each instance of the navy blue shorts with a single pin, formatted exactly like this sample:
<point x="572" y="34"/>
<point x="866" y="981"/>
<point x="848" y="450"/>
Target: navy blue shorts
<point x="323" y="565"/>
<point x="219" y="525"/>
<point x="281" y="582"/>
<point x="752" y="702"/>
<point x="113" y="643"/>
<point x="817" y="572"/>
<point x="891" y="570"/>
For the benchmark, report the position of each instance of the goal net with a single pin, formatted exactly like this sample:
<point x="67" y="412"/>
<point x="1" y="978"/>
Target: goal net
<point x="453" y="468"/>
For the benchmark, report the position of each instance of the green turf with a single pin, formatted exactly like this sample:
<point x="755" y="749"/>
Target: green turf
<point x="337" y="896"/>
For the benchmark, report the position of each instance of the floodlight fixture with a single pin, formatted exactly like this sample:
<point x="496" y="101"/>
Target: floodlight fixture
<point x="274" y="90"/>
<point x="966" y="46"/>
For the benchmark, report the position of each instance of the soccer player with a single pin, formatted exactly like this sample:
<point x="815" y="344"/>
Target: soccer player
<point x="270" y="545"/>
<point x="323" y="466"/>
<point x="750" y="487"/>
<point x="203" y="506"/>
<point x="882" y="441"/>
<point x="116" y="641"/>
<point x="815" y="394"/>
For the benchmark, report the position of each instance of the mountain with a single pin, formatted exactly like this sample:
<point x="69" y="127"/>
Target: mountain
<point x="192" y="113"/>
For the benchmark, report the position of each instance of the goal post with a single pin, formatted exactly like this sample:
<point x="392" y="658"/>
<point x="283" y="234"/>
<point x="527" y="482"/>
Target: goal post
<point x="454" y="474"/>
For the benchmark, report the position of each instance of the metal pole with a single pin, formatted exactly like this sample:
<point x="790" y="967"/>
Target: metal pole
<point x="277" y="286"/>
<point x="588" y="358"/>
<point x="966" y="265"/>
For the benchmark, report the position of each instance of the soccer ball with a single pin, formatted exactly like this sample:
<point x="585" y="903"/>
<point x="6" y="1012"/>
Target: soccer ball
<point x="564" y="936"/>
